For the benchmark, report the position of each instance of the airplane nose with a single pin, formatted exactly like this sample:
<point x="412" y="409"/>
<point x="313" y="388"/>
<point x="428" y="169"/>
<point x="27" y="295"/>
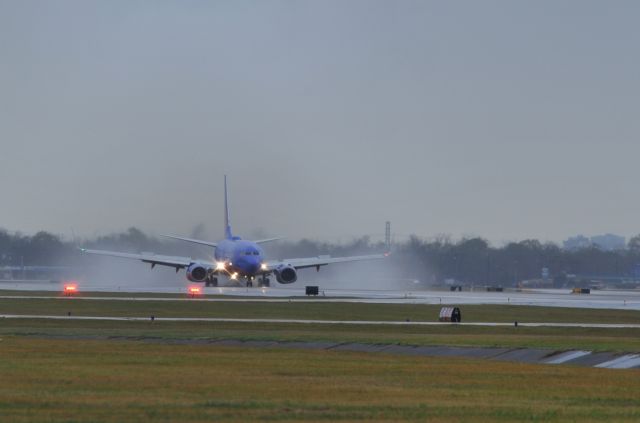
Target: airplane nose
<point x="252" y="264"/>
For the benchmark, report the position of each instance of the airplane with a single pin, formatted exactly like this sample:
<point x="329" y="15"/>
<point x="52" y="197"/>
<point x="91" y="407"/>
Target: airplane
<point x="238" y="259"/>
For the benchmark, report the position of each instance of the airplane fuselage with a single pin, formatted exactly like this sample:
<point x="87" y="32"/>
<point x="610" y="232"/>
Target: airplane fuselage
<point x="240" y="257"/>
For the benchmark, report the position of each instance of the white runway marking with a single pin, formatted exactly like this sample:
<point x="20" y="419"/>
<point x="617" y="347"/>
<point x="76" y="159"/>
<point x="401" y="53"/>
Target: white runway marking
<point x="567" y="356"/>
<point x="321" y="322"/>
<point x="625" y="362"/>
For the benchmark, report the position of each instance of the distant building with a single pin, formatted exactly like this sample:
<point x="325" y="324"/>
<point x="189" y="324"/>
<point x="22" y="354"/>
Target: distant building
<point x="609" y="242"/>
<point x="576" y="243"/>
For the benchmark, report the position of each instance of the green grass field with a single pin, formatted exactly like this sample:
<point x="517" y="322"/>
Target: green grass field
<point x="310" y="310"/>
<point x="76" y="370"/>
<point x="61" y="380"/>
<point x="623" y="340"/>
<point x="555" y="338"/>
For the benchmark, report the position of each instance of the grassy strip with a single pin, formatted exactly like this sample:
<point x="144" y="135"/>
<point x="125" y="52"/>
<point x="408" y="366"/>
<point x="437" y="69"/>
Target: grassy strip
<point x="625" y="340"/>
<point x="55" y="294"/>
<point x="322" y="311"/>
<point x="54" y="380"/>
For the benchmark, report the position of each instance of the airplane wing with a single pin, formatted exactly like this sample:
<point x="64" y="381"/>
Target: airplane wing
<point x="303" y="263"/>
<point x="171" y="261"/>
<point x="195" y="241"/>
<point x="262" y="241"/>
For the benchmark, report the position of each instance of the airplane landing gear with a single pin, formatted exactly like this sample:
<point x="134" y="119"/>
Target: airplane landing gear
<point x="211" y="281"/>
<point x="264" y="281"/>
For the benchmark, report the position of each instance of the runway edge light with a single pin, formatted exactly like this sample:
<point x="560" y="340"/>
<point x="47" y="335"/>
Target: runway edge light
<point x="70" y="288"/>
<point x="194" y="291"/>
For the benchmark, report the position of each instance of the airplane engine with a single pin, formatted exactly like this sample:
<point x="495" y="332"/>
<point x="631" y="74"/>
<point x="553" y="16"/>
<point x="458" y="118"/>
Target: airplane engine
<point x="197" y="273"/>
<point x="286" y="274"/>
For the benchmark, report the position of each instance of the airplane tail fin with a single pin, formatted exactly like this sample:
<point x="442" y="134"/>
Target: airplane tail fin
<point x="227" y="225"/>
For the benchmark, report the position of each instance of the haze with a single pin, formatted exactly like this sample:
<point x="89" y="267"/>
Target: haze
<point x="502" y="119"/>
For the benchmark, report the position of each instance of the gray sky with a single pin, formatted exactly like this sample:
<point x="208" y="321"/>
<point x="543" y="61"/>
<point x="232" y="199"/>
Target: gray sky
<point x="504" y="119"/>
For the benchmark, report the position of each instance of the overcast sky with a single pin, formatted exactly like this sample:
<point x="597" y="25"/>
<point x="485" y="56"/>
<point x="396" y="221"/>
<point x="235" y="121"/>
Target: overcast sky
<point x="503" y="119"/>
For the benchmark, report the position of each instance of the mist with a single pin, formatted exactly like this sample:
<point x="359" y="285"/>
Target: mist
<point x="419" y="263"/>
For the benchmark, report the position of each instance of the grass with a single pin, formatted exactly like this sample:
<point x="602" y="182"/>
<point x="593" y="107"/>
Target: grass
<point x="119" y="294"/>
<point x="75" y="370"/>
<point x="309" y="310"/>
<point x="597" y="339"/>
<point x="61" y="380"/>
<point x="623" y="340"/>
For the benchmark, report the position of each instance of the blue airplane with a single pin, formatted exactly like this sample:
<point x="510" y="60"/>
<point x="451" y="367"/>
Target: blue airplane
<point x="235" y="258"/>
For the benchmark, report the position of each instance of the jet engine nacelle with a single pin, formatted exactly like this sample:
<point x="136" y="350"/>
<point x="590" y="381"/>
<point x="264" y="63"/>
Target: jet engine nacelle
<point x="286" y="274"/>
<point x="197" y="272"/>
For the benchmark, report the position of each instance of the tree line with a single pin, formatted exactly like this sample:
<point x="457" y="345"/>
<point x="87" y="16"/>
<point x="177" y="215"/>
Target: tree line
<point x="434" y="260"/>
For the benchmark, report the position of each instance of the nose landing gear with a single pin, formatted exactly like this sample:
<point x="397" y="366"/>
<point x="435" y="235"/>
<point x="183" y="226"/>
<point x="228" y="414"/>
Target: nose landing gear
<point x="264" y="281"/>
<point x="211" y="281"/>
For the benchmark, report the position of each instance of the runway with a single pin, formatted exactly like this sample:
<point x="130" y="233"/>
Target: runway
<point x="622" y="300"/>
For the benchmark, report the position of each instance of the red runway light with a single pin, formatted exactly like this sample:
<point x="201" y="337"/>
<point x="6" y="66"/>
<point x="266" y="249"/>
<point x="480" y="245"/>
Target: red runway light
<point x="194" y="290"/>
<point x="70" y="288"/>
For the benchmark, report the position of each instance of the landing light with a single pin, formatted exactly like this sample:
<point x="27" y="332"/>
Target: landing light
<point x="234" y="276"/>
<point x="264" y="266"/>
<point x="220" y="265"/>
